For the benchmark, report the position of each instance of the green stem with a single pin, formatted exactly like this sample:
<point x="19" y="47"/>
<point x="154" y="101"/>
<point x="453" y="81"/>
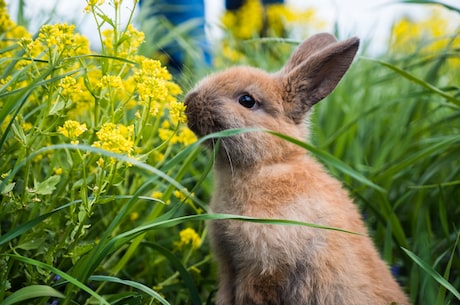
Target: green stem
<point x="156" y="212"/>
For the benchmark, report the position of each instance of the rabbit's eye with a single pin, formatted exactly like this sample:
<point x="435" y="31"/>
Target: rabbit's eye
<point x="247" y="101"/>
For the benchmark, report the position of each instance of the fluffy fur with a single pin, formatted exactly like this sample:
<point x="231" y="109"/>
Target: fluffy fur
<point x="258" y="174"/>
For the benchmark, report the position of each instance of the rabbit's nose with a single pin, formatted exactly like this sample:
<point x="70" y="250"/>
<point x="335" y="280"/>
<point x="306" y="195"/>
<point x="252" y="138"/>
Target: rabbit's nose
<point x="190" y="97"/>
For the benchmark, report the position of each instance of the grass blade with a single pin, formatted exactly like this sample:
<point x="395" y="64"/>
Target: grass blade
<point x="18" y="231"/>
<point x="433" y="273"/>
<point x="332" y="161"/>
<point x="186" y="277"/>
<point x="31" y="292"/>
<point x="62" y="274"/>
<point x="136" y="285"/>
<point x="442" y="292"/>
<point x="419" y="81"/>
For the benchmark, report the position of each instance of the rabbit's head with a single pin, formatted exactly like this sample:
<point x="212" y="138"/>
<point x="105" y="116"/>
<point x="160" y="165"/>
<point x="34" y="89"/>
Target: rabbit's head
<point x="245" y="97"/>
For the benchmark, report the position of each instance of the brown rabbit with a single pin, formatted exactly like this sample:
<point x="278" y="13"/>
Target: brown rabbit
<point x="260" y="175"/>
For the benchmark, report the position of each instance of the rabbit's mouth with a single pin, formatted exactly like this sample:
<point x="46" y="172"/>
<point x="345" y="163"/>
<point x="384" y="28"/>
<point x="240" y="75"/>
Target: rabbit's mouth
<point x="203" y="117"/>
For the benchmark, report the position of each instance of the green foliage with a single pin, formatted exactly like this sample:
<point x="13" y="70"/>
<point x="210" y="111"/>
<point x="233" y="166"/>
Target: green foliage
<point x="91" y="147"/>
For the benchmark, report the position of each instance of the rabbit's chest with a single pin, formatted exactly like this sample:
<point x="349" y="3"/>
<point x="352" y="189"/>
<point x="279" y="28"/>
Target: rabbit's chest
<point x="265" y="246"/>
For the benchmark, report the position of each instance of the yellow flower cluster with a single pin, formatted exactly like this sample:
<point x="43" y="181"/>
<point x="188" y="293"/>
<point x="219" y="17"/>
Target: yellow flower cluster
<point x="70" y="89"/>
<point x="118" y="100"/>
<point x="153" y="85"/>
<point x="254" y="20"/>
<point x="177" y="112"/>
<point x="72" y="130"/>
<point x="189" y="237"/>
<point x="282" y="19"/>
<point x="182" y="136"/>
<point x="144" y="85"/>
<point x="247" y="21"/>
<point x="426" y="36"/>
<point x="116" y="138"/>
<point x="93" y="3"/>
<point x="126" y="45"/>
<point x="10" y="33"/>
<point x="56" y="41"/>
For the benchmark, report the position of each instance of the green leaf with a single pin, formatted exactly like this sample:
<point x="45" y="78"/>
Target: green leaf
<point x="48" y="186"/>
<point x="332" y="161"/>
<point x="419" y="81"/>
<point x="32" y="244"/>
<point x="136" y="285"/>
<point x="7" y="188"/>
<point x="433" y="273"/>
<point x="185" y="275"/>
<point x="103" y="250"/>
<point x="62" y="274"/>
<point x="57" y="107"/>
<point x="21" y="229"/>
<point x="122" y="238"/>
<point x="31" y="292"/>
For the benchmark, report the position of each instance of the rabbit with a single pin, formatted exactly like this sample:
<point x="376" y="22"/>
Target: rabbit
<point x="258" y="174"/>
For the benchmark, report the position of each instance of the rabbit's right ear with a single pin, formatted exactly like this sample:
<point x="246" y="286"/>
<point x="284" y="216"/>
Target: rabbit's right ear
<point x="313" y="71"/>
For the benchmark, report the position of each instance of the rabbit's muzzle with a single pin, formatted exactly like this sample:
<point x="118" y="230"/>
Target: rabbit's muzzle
<point x="203" y="116"/>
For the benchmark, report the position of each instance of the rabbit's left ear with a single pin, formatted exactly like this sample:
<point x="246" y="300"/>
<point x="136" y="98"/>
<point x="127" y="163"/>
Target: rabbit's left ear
<point x="311" y="75"/>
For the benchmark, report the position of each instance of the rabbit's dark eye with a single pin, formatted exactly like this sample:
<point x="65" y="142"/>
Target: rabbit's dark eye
<point x="247" y="101"/>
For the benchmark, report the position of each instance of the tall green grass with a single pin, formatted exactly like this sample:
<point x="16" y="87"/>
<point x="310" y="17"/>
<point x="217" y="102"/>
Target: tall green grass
<point x="401" y="132"/>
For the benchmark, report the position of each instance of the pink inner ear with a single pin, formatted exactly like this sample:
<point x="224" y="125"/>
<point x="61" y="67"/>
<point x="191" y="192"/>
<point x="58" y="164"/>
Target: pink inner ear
<point x="306" y="49"/>
<point x="317" y="76"/>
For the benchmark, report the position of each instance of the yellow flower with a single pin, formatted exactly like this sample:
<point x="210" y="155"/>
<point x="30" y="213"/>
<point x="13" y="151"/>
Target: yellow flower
<point x="5" y="122"/>
<point x="57" y="170"/>
<point x="69" y="87"/>
<point x="125" y="44"/>
<point x="153" y="85"/>
<point x="134" y="216"/>
<point x="165" y="133"/>
<point x="435" y="33"/>
<point x="281" y="19"/>
<point x="177" y="112"/>
<point x="72" y="129"/>
<point x="91" y="4"/>
<point x="60" y="40"/>
<point x="246" y="22"/>
<point x="113" y="81"/>
<point x="135" y="38"/>
<point x="189" y="237"/>
<point x="179" y="195"/>
<point x="112" y="85"/>
<point x="100" y="162"/>
<point x="26" y="126"/>
<point x="157" y="195"/>
<point x="10" y="32"/>
<point x="117" y="138"/>
<point x="157" y="156"/>
<point x="185" y="136"/>
<point x="174" y="135"/>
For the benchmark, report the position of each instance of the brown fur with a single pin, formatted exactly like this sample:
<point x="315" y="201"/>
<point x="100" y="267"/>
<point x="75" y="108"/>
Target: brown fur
<point x="260" y="175"/>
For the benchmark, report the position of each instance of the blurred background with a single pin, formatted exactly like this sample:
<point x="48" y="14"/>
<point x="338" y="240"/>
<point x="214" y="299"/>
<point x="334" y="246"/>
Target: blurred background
<point x="370" y="20"/>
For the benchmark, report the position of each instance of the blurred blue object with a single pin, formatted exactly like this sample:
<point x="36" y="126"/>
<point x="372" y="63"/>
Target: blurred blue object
<point x="232" y="5"/>
<point x="178" y="12"/>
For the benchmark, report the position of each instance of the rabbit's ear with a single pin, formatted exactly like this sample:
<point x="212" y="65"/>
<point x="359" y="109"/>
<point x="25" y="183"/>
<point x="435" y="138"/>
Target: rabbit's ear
<point x="307" y="48"/>
<point x="307" y="81"/>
